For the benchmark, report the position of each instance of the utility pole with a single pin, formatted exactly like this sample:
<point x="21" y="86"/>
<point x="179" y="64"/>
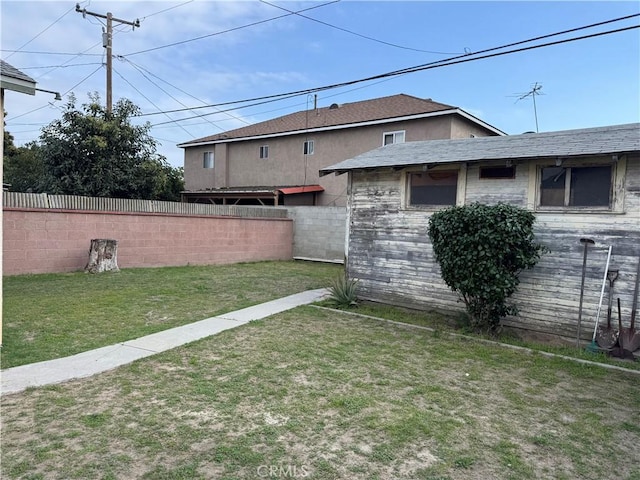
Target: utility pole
<point x="107" y="42"/>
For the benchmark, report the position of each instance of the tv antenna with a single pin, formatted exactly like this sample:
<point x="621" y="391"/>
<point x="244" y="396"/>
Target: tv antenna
<point x="535" y="90"/>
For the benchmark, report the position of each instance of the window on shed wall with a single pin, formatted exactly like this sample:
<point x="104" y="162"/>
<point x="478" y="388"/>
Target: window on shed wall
<point x="307" y="149"/>
<point x="208" y="160"/>
<point x="576" y="186"/>
<point x="264" y="151"/>
<point x="433" y="188"/>
<point x="497" y="172"/>
<point x="393" y="137"/>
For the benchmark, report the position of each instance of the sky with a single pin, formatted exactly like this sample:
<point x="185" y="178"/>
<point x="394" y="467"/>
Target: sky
<point x="254" y="48"/>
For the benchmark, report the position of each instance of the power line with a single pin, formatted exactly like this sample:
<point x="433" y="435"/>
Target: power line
<point x="165" y="10"/>
<point x="418" y="68"/>
<point x="228" y="30"/>
<point x="83" y="80"/>
<point x="60" y="66"/>
<point x="148" y="100"/>
<point x="186" y="93"/>
<point x="163" y="90"/>
<point x="54" y="53"/>
<point x="56" y="21"/>
<point x="437" y="62"/>
<point x="356" y="33"/>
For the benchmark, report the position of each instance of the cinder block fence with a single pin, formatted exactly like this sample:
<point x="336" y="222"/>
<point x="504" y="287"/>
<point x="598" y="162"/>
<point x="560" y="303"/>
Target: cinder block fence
<point x="52" y="233"/>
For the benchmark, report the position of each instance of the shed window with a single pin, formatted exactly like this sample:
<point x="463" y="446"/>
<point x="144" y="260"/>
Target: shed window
<point x="264" y="151"/>
<point x="308" y="147"/>
<point x="497" y="172"/>
<point x="576" y="186"/>
<point x="207" y="160"/>
<point x="433" y="188"/>
<point x="393" y="137"/>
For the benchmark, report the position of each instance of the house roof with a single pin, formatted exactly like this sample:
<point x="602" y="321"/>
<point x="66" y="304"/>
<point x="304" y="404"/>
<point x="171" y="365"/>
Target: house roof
<point x="616" y="139"/>
<point x="377" y="110"/>
<point x="13" y="79"/>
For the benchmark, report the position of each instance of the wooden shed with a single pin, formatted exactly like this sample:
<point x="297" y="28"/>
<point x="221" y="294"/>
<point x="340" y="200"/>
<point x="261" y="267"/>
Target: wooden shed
<point x="580" y="184"/>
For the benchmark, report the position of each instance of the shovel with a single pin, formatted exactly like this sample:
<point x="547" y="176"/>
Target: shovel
<point x="629" y="339"/>
<point x="593" y="346"/>
<point x="607" y="336"/>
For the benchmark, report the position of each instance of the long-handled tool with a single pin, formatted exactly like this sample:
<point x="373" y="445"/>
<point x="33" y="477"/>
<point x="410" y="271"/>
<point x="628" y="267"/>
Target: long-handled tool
<point x="586" y="242"/>
<point x="607" y="336"/>
<point x="629" y="339"/>
<point x="593" y="347"/>
<point x="620" y="352"/>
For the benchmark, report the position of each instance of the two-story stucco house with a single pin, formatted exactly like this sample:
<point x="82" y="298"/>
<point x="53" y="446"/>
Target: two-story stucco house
<point x="276" y="162"/>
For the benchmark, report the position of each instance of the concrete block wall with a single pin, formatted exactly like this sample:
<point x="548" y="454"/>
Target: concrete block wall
<point x="46" y="241"/>
<point x="319" y="232"/>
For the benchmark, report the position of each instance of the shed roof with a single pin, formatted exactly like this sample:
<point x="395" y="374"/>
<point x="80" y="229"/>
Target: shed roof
<point x="616" y="139"/>
<point x="394" y="107"/>
<point x="14" y="79"/>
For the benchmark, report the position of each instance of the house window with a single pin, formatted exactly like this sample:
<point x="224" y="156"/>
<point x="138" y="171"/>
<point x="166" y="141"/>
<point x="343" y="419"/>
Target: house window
<point x="433" y="188"/>
<point x="497" y="172"/>
<point x="308" y="147"/>
<point x="264" y="151"/>
<point x="207" y="160"/>
<point x="588" y="186"/>
<point x="393" y="137"/>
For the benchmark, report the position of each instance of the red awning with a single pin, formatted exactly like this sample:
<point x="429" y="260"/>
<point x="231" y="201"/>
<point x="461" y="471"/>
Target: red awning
<point x="305" y="189"/>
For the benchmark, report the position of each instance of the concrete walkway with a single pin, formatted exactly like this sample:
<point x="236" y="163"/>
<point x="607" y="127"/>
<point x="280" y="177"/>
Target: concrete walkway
<point x="102" y="359"/>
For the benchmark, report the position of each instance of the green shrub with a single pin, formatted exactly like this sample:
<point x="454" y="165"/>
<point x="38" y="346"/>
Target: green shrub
<point x="481" y="250"/>
<point x="344" y="292"/>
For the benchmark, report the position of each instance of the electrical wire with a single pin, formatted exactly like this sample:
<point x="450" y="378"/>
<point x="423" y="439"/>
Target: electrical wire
<point x="186" y="93"/>
<point x="83" y="80"/>
<point x="59" y="66"/>
<point x="148" y="100"/>
<point x="56" y="21"/>
<point x="54" y="53"/>
<point x="446" y="60"/>
<point x="355" y="33"/>
<point x="164" y="91"/>
<point x="253" y="24"/>
<point x="418" y="68"/>
<point x="165" y="10"/>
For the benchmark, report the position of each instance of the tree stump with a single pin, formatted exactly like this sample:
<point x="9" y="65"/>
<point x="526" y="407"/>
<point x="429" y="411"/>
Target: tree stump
<point x="103" y="256"/>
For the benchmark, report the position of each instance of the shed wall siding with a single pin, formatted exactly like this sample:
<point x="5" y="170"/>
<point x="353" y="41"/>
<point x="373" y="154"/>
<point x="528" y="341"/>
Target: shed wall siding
<point x="390" y="252"/>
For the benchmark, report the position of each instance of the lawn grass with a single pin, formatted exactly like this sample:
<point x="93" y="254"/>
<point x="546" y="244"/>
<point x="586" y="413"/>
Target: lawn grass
<point x="455" y="324"/>
<point x="55" y="315"/>
<point x="326" y="395"/>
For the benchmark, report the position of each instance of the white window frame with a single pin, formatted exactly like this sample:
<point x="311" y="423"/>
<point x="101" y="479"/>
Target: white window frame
<point x="208" y="160"/>
<point x="461" y="189"/>
<point x="308" y="147"/>
<point x="394" y="136"/>
<point x="264" y="151"/>
<point x="616" y="201"/>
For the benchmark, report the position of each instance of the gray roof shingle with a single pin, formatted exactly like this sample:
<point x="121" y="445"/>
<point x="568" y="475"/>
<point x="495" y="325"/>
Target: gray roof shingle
<point x="12" y="72"/>
<point x="616" y="139"/>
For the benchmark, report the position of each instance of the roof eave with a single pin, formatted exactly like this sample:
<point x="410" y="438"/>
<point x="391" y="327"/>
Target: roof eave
<point x="450" y="111"/>
<point x="17" y="85"/>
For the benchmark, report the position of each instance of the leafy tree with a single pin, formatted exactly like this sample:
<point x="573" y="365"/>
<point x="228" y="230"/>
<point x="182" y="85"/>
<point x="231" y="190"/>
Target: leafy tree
<point x="481" y="250"/>
<point x="24" y="169"/>
<point x="95" y="153"/>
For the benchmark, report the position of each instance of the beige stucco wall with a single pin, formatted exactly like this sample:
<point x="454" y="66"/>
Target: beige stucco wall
<point x="287" y="165"/>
